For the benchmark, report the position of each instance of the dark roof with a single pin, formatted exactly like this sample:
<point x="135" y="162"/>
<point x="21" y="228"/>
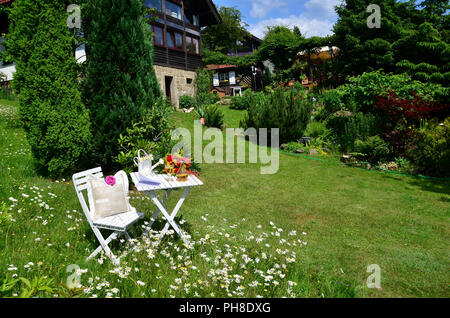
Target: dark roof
<point x="255" y="38"/>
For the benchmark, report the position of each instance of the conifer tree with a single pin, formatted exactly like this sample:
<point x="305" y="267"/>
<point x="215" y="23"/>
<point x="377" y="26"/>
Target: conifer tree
<point x="423" y="51"/>
<point x="120" y="81"/>
<point x="55" y="120"/>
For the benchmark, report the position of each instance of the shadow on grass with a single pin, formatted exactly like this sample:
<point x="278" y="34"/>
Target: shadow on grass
<point x="435" y="185"/>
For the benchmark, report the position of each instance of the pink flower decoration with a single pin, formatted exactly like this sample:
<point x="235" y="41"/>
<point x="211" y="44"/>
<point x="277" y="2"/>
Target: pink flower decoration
<point x="110" y="180"/>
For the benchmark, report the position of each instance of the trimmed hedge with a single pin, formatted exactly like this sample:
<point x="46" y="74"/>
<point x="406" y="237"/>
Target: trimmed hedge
<point x="55" y="119"/>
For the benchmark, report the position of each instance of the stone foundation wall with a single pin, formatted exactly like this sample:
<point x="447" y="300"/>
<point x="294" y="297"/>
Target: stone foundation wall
<point x="179" y="85"/>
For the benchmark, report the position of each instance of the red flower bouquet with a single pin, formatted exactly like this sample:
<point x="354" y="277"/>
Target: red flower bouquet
<point x="178" y="166"/>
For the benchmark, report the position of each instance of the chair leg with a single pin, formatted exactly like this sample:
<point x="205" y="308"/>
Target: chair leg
<point x="104" y="245"/>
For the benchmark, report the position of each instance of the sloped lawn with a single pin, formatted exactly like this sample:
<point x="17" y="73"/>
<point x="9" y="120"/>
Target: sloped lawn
<point x="310" y="230"/>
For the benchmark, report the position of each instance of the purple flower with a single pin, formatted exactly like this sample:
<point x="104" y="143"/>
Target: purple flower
<point x="110" y="180"/>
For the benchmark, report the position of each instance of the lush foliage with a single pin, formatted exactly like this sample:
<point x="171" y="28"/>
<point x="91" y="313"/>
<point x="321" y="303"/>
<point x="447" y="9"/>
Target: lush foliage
<point x="214" y="116"/>
<point x="431" y="150"/>
<point x="120" y="82"/>
<point x="317" y="129"/>
<point x="51" y="109"/>
<point x="379" y="116"/>
<point x="374" y="149"/>
<point x="216" y="57"/>
<point x="244" y="102"/>
<point x="346" y="130"/>
<point x="187" y="101"/>
<point x="203" y="97"/>
<point x="152" y="134"/>
<point x="286" y="110"/>
<point x="361" y="92"/>
<point x="413" y="38"/>
<point x="6" y="93"/>
<point x="280" y="46"/>
<point x="225" y="36"/>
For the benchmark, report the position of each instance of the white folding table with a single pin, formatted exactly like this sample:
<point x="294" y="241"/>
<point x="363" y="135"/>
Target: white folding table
<point x="167" y="186"/>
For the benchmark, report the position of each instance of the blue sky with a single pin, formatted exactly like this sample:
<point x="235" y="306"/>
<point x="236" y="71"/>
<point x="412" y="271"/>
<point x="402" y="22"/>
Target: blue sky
<point x="313" y="17"/>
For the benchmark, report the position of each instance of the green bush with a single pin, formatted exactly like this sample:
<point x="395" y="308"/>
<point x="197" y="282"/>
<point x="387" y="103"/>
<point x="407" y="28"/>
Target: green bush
<point x="55" y="119"/>
<point x="373" y="148"/>
<point x="294" y="145"/>
<point x="346" y="130"/>
<point x="362" y="90"/>
<point x="243" y="102"/>
<point x="187" y="101"/>
<point x="360" y="93"/>
<point x="152" y="134"/>
<point x="283" y="109"/>
<point x="214" y="116"/>
<point x="332" y="100"/>
<point x="316" y="129"/>
<point x="239" y="103"/>
<point x="431" y="152"/>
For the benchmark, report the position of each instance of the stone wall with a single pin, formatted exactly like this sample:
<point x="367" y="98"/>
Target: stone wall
<point x="180" y="85"/>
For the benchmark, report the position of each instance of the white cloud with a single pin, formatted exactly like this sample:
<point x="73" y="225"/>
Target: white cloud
<point x="316" y="19"/>
<point x="260" y="8"/>
<point x="308" y="26"/>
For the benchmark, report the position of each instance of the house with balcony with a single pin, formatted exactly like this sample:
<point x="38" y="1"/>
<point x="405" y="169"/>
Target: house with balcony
<point x="177" y="41"/>
<point x="231" y="80"/>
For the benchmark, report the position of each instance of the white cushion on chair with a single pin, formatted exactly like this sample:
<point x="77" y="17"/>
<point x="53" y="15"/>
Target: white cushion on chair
<point x="106" y="200"/>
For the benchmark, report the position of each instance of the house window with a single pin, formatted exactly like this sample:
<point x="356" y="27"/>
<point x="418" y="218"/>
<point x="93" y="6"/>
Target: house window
<point x="191" y="18"/>
<point x="192" y="45"/>
<point x="159" y="35"/>
<point x="157" y="4"/>
<point x="179" y="41"/>
<point x="224" y="78"/>
<point x="173" y="10"/>
<point x="170" y="39"/>
<point x="189" y="44"/>
<point x="175" y="40"/>
<point x="196" y="44"/>
<point x="188" y="80"/>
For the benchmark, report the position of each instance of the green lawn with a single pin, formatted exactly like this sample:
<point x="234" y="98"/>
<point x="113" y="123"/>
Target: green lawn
<point x="344" y="220"/>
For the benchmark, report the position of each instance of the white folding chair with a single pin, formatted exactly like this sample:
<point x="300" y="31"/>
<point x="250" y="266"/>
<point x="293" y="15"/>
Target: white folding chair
<point x="118" y="223"/>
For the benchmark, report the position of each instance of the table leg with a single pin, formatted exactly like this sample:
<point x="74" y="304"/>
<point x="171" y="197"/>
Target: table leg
<point x="175" y="211"/>
<point x="169" y="218"/>
<point x="157" y="211"/>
